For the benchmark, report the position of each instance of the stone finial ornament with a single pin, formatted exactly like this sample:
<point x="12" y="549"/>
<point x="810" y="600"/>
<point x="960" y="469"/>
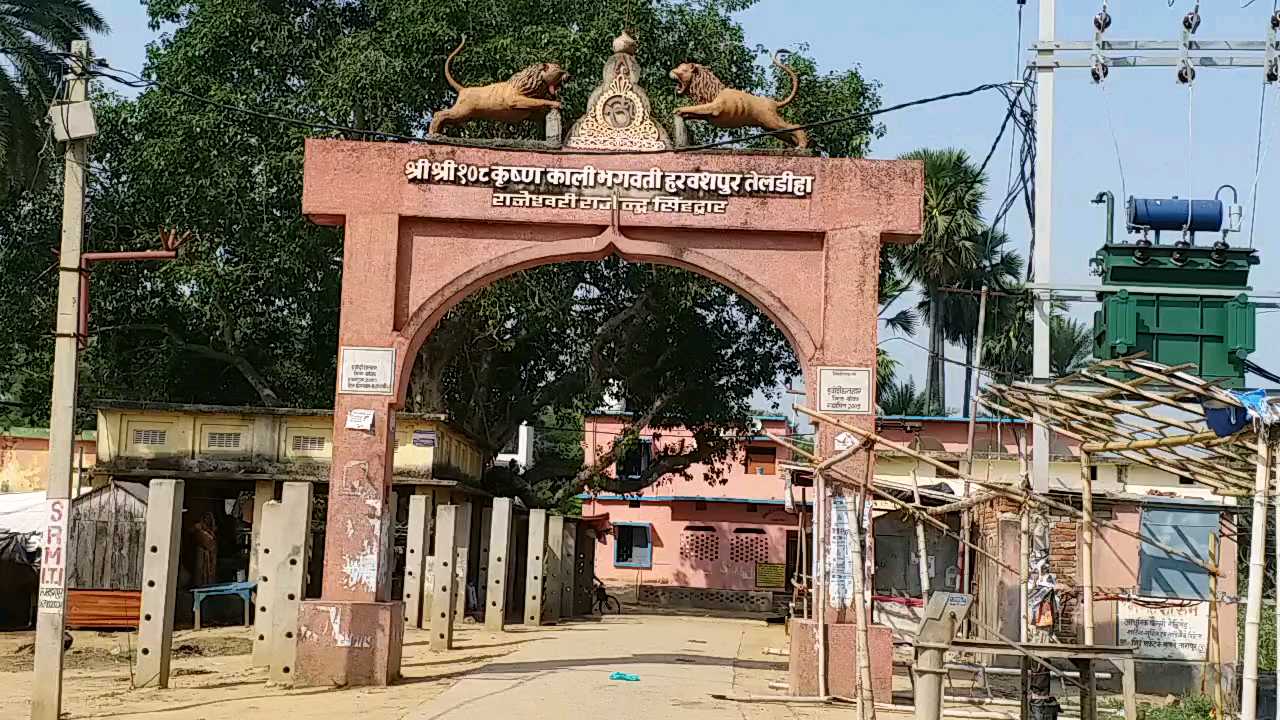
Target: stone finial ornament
<point x="624" y="43"/>
<point x="619" y="115"/>
<point x="532" y="90"/>
<point x="726" y="107"/>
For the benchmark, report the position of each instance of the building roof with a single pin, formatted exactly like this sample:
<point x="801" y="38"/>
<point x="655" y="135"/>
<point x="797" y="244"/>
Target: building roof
<point x="42" y="433"/>
<point x="144" y="405"/>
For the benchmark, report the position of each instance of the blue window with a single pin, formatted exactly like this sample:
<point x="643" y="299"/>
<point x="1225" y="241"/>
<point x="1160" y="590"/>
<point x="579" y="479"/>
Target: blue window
<point x="633" y="545"/>
<point x="1187" y="530"/>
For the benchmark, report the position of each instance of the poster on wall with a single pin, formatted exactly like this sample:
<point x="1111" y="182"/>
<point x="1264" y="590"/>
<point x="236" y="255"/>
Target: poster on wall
<point x="1170" y="633"/>
<point x="771" y="576"/>
<point x="840" y="554"/>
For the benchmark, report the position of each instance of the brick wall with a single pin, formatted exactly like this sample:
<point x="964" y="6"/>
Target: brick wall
<point x="1064" y="563"/>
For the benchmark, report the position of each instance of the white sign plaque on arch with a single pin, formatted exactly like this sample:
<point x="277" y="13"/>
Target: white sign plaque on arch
<point x="844" y="391"/>
<point x="367" y="371"/>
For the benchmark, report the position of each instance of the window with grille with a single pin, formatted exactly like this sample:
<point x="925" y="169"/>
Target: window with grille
<point x="223" y="440"/>
<point x="633" y="546"/>
<point x="149" y="437"/>
<point x="308" y="443"/>
<point x="700" y="542"/>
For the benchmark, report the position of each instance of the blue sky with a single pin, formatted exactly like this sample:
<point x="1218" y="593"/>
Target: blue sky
<point x="918" y="48"/>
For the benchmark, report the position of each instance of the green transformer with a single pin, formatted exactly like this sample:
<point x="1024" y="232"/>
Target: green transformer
<point x="1216" y="331"/>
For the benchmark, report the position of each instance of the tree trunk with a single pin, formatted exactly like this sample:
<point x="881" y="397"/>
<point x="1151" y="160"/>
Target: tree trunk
<point x="968" y="377"/>
<point x="935" y="389"/>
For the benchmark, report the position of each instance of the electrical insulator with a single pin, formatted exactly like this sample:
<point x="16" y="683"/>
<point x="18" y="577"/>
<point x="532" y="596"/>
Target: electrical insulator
<point x="1219" y="254"/>
<point x="1186" y="73"/>
<point x="1275" y="20"/>
<point x="1191" y="21"/>
<point x="1102" y="21"/>
<point x="1273" y="70"/>
<point x="1180" y="254"/>
<point x="1099" y="71"/>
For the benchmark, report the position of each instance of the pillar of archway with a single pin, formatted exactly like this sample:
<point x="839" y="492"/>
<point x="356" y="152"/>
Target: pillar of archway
<point x="427" y="225"/>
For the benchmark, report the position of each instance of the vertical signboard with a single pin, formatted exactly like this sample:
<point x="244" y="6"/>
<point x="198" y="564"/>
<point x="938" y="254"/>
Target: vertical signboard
<point x="53" y="557"/>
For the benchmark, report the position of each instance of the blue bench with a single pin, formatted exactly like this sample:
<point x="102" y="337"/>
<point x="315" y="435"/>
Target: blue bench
<point x="242" y="589"/>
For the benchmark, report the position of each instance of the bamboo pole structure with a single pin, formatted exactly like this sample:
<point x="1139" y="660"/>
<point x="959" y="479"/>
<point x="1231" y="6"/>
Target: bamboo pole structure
<point x="1024" y="535"/>
<point x="820" y="577"/>
<point x="1086" y="549"/>
<point x="921" y="550"/>
<point x="866" y="706"/>
<point x="1017" y="496"/>
<point x="904" y="506"/>
<point x="1257" y="571"/>
<point x="966" y="516"/>
<point x="1213" y="664"/>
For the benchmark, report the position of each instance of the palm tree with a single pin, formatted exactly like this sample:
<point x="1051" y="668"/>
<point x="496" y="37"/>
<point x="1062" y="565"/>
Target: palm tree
<point x="998" y="268"/>
<point x="1070" y="345"/>
<point x="32" y="34"/>
<point x="905" y="321"/>
<point x="949" y="247"/>
<point x="903" y="398"/>
<point x="1007" y="346"/>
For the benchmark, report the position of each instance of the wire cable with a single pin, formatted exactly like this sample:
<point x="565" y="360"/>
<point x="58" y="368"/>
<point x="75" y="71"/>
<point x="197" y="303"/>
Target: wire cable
<point x="1259" y="153"/>
<point x="1115" y="141"/>
<point x="137" y="81"/>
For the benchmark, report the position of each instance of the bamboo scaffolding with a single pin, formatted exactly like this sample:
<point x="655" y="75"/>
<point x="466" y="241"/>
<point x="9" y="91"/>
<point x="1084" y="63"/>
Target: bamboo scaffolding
<point x="906" y="507"/>
<point x="1016" y="496"/>
<point x="1086" y="550"/>
<point x="922" y="550"/>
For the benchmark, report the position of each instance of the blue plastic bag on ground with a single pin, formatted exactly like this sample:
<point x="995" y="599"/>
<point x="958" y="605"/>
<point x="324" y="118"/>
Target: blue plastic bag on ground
<point x="628" y="677"/>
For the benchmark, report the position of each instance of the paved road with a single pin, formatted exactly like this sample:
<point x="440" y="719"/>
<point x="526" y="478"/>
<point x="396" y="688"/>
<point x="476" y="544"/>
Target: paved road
<point x="564" y="673"/>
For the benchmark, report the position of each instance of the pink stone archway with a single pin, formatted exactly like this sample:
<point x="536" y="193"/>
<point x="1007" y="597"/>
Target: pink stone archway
<point x="412" y="251"/>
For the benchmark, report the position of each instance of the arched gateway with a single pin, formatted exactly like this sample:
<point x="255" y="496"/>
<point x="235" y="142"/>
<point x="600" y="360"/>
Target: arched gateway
<point x="428" y="224"/>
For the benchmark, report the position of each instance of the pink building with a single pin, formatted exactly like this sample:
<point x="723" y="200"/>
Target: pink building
<point x="699" y="541"/>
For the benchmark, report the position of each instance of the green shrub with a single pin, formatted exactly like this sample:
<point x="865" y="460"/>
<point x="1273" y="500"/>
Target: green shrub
<point x="1187" y="707"/>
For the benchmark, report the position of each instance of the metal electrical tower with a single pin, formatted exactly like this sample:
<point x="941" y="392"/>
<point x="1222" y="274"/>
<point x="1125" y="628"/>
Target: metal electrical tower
<point x="1100" y="56"/>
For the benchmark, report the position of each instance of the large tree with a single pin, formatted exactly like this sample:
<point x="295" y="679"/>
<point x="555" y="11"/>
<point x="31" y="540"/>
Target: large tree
<point x="34" y="35"/>
<point x="249" y="313"/>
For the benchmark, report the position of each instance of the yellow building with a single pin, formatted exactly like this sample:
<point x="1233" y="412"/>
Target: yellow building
<point x="226" y="444"/>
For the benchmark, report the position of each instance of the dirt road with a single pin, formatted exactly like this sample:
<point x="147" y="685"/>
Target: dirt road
<point x="558" y="672"/>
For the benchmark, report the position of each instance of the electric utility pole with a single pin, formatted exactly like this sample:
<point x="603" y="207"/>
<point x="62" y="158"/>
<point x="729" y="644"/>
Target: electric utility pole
<point x="46" y="691"/>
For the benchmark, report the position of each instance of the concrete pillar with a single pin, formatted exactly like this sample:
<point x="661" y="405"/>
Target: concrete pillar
<point x="554" y="573"/>
<point x="568" y="567"/>
<point x="415" y="560"/>
<point x="495" y="609"/>
<point x="534" y="568"/>
<point x="264" y="491"/>
<point x="159" y="582"/>
<point x="462" y="527"/>
<point x="285" y="567"/>
<point x="444" y="588"/>
<point x="482" y="567"/>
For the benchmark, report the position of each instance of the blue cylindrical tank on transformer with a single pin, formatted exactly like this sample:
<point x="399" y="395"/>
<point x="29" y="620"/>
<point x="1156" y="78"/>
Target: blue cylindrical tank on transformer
<point x="1172" y="214"/>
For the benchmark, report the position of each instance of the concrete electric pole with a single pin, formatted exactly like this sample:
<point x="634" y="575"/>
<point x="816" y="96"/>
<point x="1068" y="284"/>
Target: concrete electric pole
<point x="70" y="122"/>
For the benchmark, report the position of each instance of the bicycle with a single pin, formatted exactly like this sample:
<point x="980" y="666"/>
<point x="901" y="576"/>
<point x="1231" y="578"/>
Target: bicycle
<point x="604" y="602"/>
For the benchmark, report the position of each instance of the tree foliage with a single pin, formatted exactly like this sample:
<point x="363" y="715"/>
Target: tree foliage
<point x="248" y="315"/>
<point x="33" y="33"/>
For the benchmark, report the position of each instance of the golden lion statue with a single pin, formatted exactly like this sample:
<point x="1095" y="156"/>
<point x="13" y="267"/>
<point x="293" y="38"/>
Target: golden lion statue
<point x="729" y="108"/>
<point x="529" y="91"/>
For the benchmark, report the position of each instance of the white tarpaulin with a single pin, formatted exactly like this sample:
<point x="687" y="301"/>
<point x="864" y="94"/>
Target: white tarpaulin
<point x="23" y="514"/>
